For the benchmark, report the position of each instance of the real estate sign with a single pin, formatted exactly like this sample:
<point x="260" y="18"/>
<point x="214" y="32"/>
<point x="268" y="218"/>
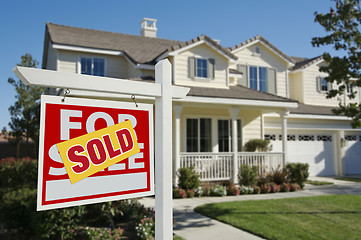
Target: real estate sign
<point x="124" y="130"/>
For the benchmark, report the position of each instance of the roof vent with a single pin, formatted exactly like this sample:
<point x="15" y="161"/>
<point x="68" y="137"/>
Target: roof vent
<point x="148" y="28"/>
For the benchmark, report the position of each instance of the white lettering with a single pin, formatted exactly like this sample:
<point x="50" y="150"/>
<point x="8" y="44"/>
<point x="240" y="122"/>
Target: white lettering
<point x="66" y="125"/>
<point x="90" y="122"/>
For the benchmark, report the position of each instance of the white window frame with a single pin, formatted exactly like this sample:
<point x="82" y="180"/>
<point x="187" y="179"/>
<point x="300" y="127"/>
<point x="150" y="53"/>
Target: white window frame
<point x="92" y="57"/>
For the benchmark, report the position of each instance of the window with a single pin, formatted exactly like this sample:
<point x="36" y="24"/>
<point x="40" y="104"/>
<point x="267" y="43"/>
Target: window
<point x="323" y="85"/>
<point x="201" y="68"/>
<point x="199" y="135"/>
<point x="92" y="66"/>
<point x="225" y="135"/>
<point x="258" y="78"/>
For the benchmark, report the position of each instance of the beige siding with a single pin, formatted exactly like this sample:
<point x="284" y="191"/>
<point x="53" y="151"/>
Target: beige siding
<point x="52" y="59"/>
<point x="251" y="121"/>
<point x="296" y="86"/>
<point x="311" y="96"/>
<point x="116" y="66"/>
<point x="201" y="51"/>
<point x="266" y="58"/>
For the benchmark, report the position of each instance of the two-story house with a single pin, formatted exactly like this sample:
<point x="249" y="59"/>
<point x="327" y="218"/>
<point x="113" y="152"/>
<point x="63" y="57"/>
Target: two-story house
<point x="249" y="91"/>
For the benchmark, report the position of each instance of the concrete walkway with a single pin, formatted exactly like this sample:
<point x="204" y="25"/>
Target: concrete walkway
<point x="191" y="225"/>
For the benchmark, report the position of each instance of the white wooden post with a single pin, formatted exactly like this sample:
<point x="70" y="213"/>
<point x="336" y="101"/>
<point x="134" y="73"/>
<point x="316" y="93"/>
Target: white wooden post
<point x="234" y="113"/>
<point x="163" y="153"/>
<point x="284" y="116"/>
<point x="177" y="112"/>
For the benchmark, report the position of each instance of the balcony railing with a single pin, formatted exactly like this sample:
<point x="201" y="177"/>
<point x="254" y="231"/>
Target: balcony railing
<point x="219" y="166"/>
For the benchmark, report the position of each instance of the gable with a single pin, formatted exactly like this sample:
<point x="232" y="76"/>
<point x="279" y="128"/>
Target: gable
<point x="182" y="67"/>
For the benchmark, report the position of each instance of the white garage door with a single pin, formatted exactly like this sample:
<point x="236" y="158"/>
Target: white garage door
<point x="352" y="158"/>
<point x="316" y="149"/>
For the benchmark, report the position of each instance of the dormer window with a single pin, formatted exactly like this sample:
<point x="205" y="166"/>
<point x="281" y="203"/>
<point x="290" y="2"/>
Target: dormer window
<point x="92" y="66"/>
<point x="323" y="85"/>
<point x="201" y="68"/>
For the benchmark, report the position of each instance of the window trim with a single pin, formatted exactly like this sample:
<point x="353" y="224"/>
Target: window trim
<point x="92" y="57"/>
<point x="193" y="68"/>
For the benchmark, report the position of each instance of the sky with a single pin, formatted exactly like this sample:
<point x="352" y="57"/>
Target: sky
<point x="287" y="24"/>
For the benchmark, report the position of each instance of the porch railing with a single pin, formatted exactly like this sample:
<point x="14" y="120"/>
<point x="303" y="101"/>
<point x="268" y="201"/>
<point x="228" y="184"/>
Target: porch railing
<point x="219" y="166"/>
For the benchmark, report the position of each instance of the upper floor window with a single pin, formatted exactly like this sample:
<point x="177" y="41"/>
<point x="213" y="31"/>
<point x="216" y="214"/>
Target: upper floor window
<point x="323" y="85"/>
<point x="201" y="68"/>
<point x="258" y="78"/>
<point x="92" y="66"/>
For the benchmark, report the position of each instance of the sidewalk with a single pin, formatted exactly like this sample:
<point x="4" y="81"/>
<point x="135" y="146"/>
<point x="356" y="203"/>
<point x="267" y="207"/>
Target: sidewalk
<point x="191" y="225"/>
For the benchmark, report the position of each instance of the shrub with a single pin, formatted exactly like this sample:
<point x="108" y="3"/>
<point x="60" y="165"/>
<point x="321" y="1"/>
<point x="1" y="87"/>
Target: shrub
<point x="18" y="173"/>
<point x="278" y="176"/>
<point x="262" y="145"/>
<point x="145" y="229"/>
<point x="294" y="187"/>
<point x="97" y="233"/>
<point x="265" y="188"/>
<point x="18" y="214"/>
<point x="218" y="191"/>
<point x="190" y="193"/>
<point x="247" y="175"/>
<point x="297" y="173"/>
<point x="275" y="188"/>
<point x="232" y="190"/>
<point x="285" y="187"/>
<point x="188" y="178"/>
<point x="179" y="193"/>
<point x="256" y="189"/>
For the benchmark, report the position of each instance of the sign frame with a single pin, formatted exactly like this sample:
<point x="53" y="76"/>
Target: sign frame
<point x="95" y="197"/>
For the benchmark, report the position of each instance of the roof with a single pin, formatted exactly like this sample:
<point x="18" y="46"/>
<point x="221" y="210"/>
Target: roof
<point x="312" y="110"/>
<point x="139" y="49"/>
<point x="302" y="63"/>
<point x="263" y="40"/>
<point x="236" y="92"/>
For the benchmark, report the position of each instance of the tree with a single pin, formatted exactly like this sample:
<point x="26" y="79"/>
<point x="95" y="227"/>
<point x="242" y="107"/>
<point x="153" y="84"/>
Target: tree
<point x="25" y="113"/>
<point x="343" y="28"/>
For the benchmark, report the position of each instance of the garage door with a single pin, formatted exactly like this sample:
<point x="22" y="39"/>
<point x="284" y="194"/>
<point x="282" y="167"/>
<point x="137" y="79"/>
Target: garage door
<point x="352" y="158"/>
<point x="316" y="149"/>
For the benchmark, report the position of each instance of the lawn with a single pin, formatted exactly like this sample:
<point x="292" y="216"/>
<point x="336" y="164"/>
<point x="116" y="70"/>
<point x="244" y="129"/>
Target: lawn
<point x="324" y="217"/>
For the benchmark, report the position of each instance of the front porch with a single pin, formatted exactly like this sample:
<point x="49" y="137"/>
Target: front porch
<point x="222" y="166"/>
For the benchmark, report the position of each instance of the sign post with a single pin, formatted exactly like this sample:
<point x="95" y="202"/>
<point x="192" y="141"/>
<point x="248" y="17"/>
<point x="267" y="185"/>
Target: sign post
<point x="163" y="92"/>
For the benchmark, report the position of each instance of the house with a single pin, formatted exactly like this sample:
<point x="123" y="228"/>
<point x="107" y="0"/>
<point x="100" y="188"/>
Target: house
<point x="249" y="91"/>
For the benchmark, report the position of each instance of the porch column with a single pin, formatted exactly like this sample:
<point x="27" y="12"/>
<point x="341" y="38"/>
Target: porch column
<point x="177" y="112"/>
<point x="284" y="116"/>
<point x="234" y="113"/>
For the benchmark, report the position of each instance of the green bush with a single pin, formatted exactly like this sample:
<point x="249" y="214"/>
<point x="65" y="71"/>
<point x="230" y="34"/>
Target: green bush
<point x="18" y="173"/>
<point x="262" y="145"/>
<point x="298" y="173"/>
<point x="247" y="175"/>
<point x="18" y="214"/>
<point x="188" y="178"/>
<point x="278" y="176"/>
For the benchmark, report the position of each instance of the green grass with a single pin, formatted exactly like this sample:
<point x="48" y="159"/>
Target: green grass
<point x="348" y="179"/>
<point x="324" y="217"/>
<point x="318" y="183"/>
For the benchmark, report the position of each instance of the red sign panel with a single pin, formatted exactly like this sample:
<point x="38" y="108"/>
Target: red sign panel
<point x="61" y="121"/>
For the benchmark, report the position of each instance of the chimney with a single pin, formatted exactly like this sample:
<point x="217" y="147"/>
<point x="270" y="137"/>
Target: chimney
<point x="148" y="28"/>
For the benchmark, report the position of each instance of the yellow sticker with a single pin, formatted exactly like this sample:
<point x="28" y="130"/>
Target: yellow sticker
<point x="85" y="155"/>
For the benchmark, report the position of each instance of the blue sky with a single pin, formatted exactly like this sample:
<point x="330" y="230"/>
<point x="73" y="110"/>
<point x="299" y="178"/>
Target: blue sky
<point x="287" y="24"/>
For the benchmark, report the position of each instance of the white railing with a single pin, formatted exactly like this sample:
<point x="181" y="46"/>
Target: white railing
<point x="266" y="162"/>
<point x="219" y="166"/>
<point x="209" y="166"/>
